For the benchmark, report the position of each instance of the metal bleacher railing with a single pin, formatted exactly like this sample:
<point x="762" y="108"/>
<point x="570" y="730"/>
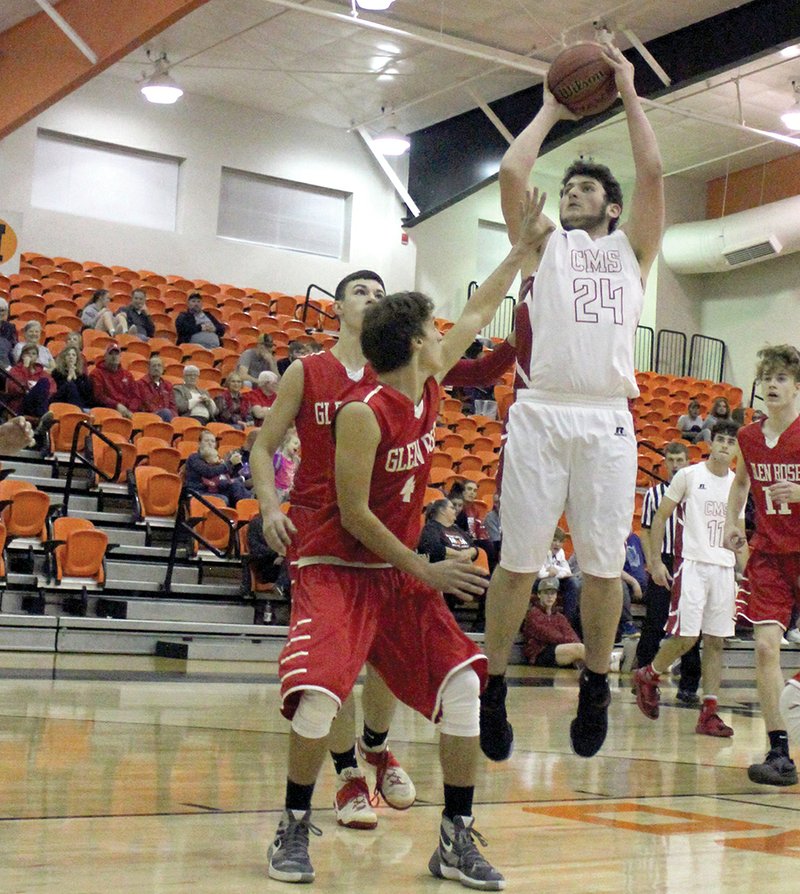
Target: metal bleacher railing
<point x="76" y="457"/>
<point x="307" y="304"/>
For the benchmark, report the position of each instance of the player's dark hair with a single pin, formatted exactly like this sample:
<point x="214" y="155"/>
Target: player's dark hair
<point x="676" y="447"/>
<point x="338" y="295"/>
<point x="582" y="168"/>
<point x="390" y="326"/>
<point x="724" y="427"/>
<point x="456" y="492"/>
<point x="778" y="358"/>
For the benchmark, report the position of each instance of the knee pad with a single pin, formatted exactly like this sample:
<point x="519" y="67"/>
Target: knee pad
<point x="461" y="705"/>
<point x="790" y="711"/>
<point x="314" y="714"/>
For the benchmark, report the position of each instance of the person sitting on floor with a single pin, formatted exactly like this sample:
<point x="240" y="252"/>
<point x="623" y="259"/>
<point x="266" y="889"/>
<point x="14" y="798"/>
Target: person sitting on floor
<point x="550" y="640"/>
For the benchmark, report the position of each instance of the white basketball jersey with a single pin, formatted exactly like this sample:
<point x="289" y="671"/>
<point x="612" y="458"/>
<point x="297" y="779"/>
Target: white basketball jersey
<point x="584" y="309"/>
<point x="702" y="499"/>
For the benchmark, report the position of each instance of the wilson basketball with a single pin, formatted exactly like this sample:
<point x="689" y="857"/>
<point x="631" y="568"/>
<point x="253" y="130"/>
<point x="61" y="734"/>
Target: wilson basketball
<point x="582" y="80"/>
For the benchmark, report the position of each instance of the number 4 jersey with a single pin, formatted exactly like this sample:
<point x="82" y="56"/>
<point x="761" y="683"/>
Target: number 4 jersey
<point x="584" y="309"/>
<point x="702" y="499"/>
<point x="399" y="477"/>
<point x="777" y="524"/>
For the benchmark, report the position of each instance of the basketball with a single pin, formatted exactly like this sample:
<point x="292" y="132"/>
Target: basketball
<point x="582" y="80"/>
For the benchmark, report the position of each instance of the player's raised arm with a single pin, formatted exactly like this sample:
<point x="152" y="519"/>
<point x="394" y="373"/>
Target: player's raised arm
<point x="645" y="224"/>
<point x="278" y="529"/>
<point x="483" y="304"/>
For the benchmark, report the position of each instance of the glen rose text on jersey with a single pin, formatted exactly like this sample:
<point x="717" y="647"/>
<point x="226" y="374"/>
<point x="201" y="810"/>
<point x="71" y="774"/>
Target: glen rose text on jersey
<point x="771" y="472"/>
<point x="325" y="410"/>
<point x="413" y="455"/>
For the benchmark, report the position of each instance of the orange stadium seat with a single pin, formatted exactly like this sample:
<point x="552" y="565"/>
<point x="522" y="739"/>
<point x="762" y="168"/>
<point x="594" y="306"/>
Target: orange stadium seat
<point x="158" y="492"/>
<point x="83" y="551"/>
<point x="105" y="456"/>
<point x="211" y="527"/>
<point x="25" y="510"/>
<point x="63" y="431"/>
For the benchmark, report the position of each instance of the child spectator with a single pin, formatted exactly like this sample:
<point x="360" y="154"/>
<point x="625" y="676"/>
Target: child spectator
<point x="550" y="640"/>
<point x="556" y="568"/>
<point x="285" y="463"/>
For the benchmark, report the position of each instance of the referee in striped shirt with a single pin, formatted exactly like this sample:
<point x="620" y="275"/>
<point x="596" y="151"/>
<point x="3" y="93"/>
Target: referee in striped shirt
<point x="657" y="599"/>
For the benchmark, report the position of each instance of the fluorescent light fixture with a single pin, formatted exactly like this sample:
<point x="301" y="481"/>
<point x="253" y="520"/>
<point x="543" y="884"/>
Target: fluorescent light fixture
<point x="374" y="4"/>
<point x="791" y="117"/>
<point x="161" y="87"/>
<point x="392" y="143"/>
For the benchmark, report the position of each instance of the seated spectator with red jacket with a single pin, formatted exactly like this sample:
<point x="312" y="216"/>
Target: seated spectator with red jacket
<point x="114" y="386"/>
<point x="29" y="386"/>
<point x="549" y="638"/>
<point x="155" y="392"/>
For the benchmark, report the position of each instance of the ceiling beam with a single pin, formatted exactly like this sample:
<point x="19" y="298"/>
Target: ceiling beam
<point x="437" y="39"/>
<point x="44" y="67"/>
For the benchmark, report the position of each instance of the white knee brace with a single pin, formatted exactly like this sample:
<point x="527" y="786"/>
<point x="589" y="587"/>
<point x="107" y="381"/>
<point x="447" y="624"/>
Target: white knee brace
<point x="314" y="714"/>
<point x="790" y="711"/>
<point x="460" y="704"/>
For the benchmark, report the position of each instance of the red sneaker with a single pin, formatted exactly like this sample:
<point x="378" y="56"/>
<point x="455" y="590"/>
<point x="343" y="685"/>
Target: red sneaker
<point x="713" y="725"/>
<point x="647" y="693"/>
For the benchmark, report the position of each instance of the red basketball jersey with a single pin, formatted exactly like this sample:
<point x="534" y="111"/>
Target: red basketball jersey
<point x="399" y="476"/>
<point x="777" y="524"/>
<point x="325" y="383"/>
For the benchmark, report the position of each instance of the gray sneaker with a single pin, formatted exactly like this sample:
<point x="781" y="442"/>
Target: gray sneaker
<point x="778" y="769"/>
<point x="458" y="858"/>
<point x="288" y="853"/>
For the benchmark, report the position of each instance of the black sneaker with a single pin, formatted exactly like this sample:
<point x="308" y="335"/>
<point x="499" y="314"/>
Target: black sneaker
<point x="497" y="734"/>
<point x="588" y="730"/>
<point x="778" y="769"/>
<point x="687" y="697"/>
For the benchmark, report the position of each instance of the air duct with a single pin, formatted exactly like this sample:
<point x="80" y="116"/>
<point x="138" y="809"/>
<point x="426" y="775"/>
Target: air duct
<point x="727" y="243"/>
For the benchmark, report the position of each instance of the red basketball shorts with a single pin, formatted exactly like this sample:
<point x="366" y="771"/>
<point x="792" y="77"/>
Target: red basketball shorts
<point x="343" y="617"/>
<point x="770" y="589"/>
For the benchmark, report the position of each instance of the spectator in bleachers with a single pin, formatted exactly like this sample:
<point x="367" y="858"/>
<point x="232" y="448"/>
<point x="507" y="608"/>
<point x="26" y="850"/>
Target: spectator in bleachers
<point x="32" y="334"/>
<point x="469" y="518"/>
<point x="29" y="389"/>
<point x="720" y="410"/>
<point x="441" y="538"/>
<point x="634" y="583"/>
<point x="285" y="463"/>
<point x="73" y="385"/>
<point x="192" y="401"/>
<point x="114" y="386"/>
<point x="198" y="326"/>
<point x="259" y="359"/>
<point x="262" y="397"/>
<point x="557" y="568"/>
<point x="492" y="525"/>
<point x="155" y="392"/>
<point x="456" y="497"/>
<point x="690" y="424"/>
<point x="97" y="315"/>
<point x="233" y="407"/>
<point x="8" y="335"/>
<point x="140" y="323"/>
<point x="296" y="349"/>
<point x="207" y="474"/>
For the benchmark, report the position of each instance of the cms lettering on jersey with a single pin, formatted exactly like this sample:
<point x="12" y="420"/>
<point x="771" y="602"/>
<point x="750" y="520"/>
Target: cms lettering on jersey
<point x="589" y="260"/>
<point x="715" y="508"/>
<point x="413" y="455"/>
<point x="769" y="472"/>
<point x="325" y="410"/>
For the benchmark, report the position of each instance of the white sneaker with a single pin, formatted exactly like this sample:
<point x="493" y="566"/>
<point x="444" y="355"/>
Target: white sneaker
<point x="351" y="805"/>
<point x="792" y="636"/>
<point x="615" y="662"/>
<point x="391" y="780"/>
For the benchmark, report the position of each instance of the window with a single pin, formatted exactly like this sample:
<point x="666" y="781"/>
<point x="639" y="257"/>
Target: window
<point x="284" y="214"/>
<point x="105" y="181"/>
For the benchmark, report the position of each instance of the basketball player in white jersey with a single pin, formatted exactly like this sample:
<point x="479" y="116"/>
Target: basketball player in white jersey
<point x="571" y="443"/>
<point x="704" y="586"/>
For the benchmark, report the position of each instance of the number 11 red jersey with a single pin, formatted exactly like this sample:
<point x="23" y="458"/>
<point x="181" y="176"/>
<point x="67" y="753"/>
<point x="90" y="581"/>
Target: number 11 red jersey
<point x="777" y="524"/>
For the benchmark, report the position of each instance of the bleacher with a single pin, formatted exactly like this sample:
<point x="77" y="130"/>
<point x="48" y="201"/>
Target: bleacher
<point x="140" y="569"/>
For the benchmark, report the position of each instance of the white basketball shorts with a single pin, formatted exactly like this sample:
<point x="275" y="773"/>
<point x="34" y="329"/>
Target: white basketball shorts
<point x="703" y="600"/>
<point x="576" y="455"/>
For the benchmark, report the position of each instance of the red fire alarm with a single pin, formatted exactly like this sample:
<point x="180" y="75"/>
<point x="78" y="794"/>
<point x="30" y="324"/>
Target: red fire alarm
<point x="404" y="238"/>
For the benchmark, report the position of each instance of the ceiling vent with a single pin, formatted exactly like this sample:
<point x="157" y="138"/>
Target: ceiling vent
<point x="728" y="243"/>
<point x="744" y="254"/>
